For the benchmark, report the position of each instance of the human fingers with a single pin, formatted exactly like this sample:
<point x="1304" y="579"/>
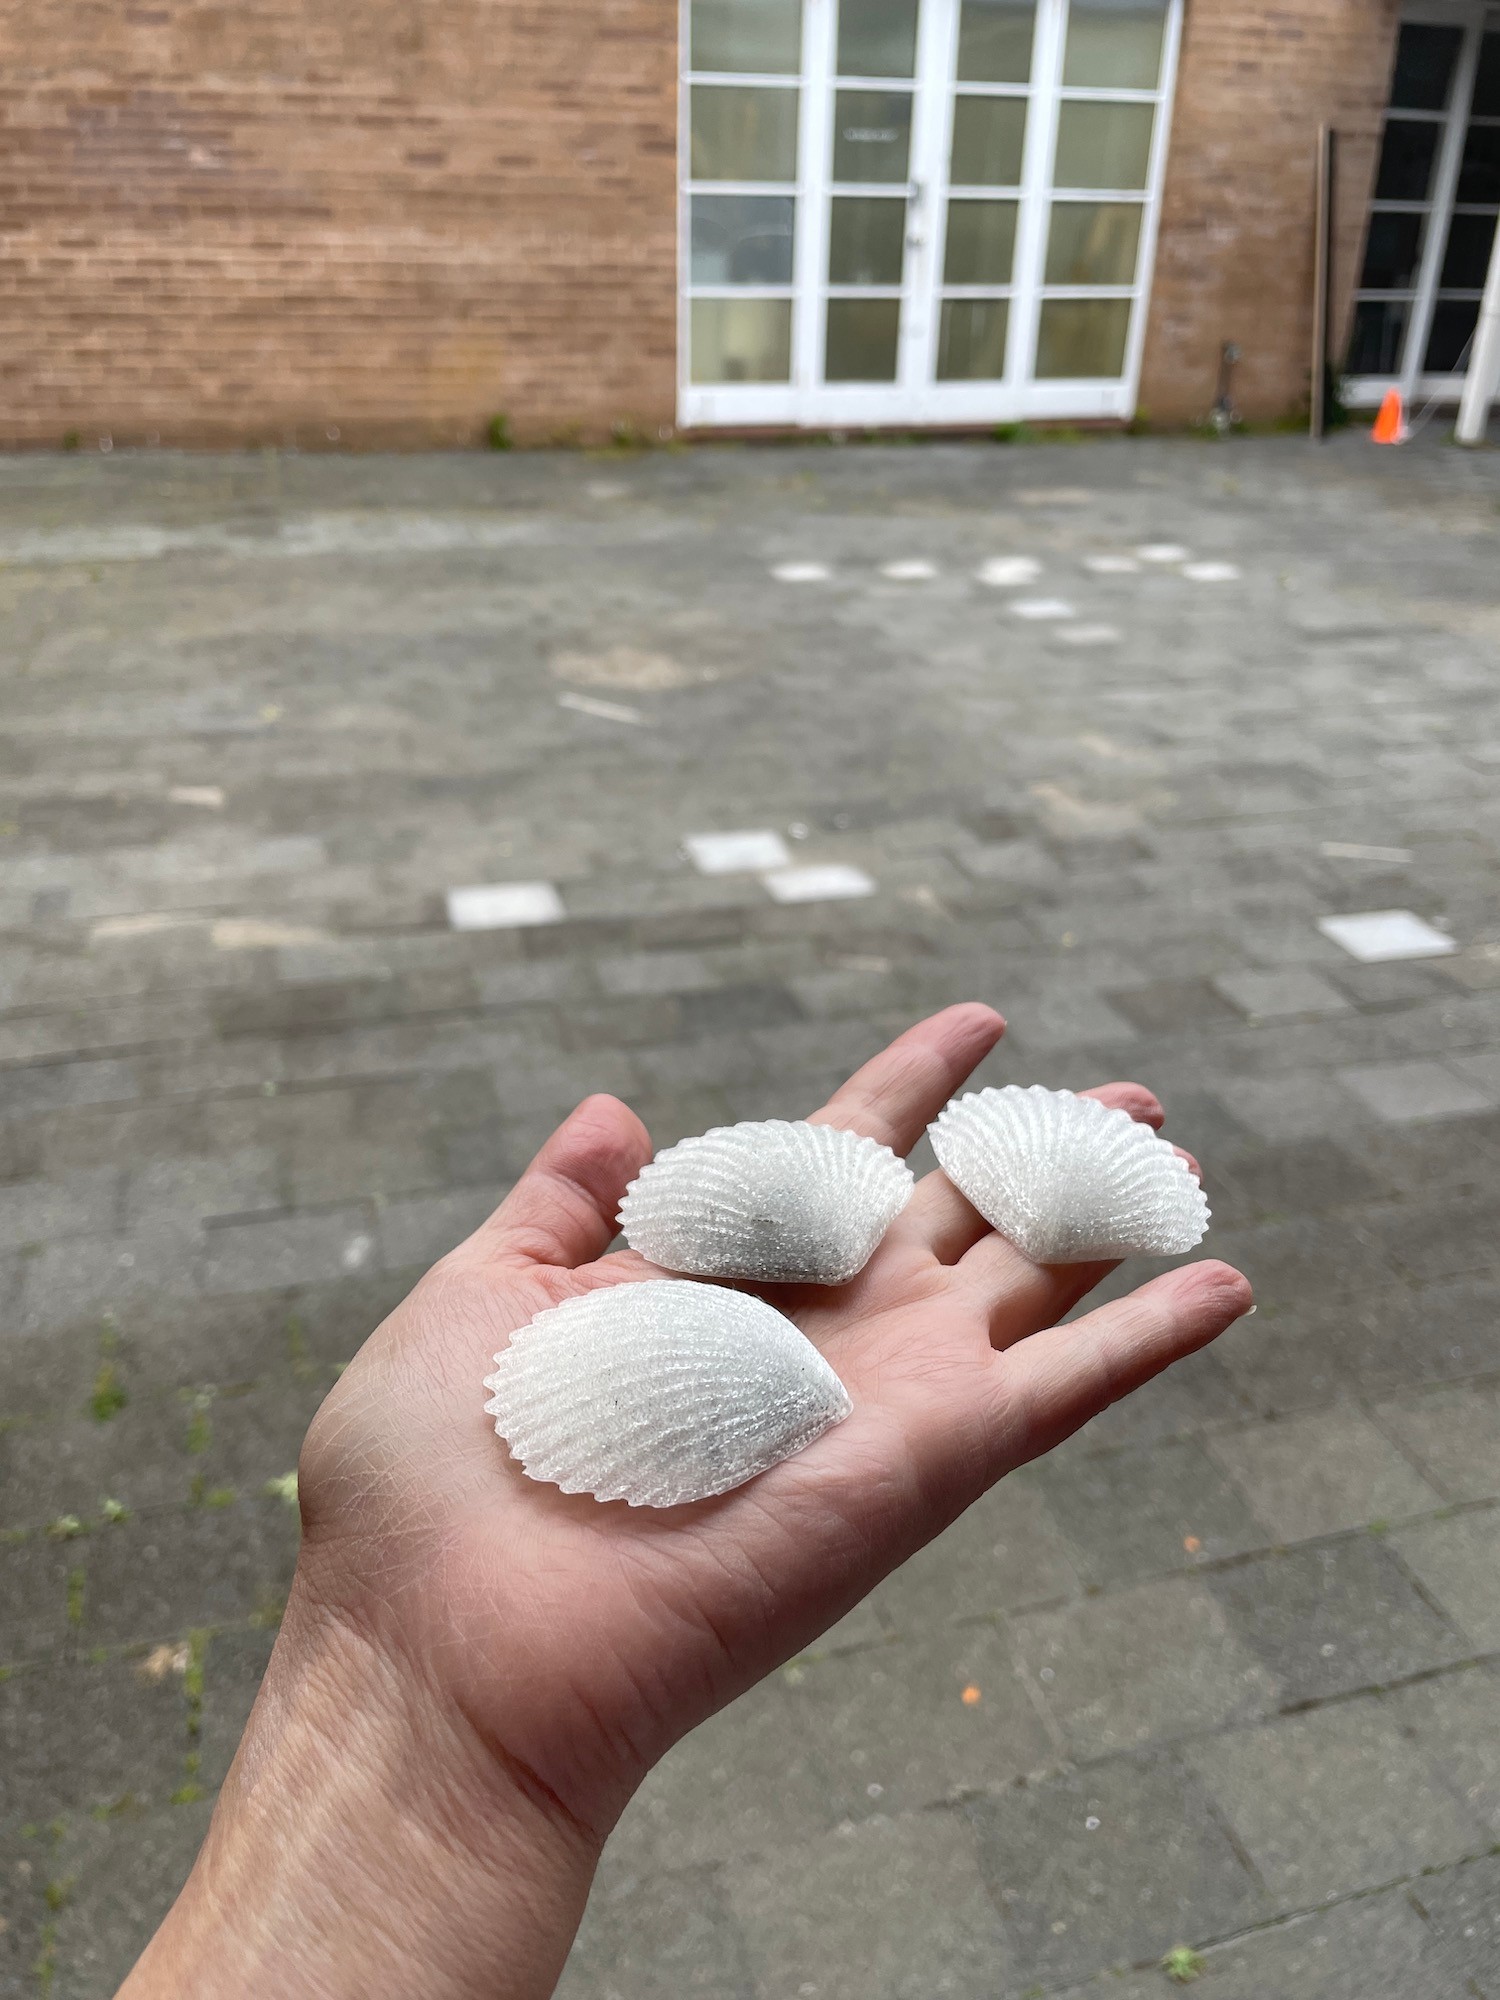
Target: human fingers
<point x="562" y="1210"/>
<point x="896" y="1094"/>
<point x="1045" y="1388"/>
<point x="948" y="1224"/>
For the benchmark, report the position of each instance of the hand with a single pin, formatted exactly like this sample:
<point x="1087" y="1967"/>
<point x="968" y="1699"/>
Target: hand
<point x="545" y="1650"/>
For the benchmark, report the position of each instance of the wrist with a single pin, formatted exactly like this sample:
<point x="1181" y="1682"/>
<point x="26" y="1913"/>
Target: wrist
<point x="366" y="1840"/>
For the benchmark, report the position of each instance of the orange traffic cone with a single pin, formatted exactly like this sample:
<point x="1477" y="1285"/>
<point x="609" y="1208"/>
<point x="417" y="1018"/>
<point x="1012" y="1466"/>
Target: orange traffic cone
<point x="1390" y="424"/>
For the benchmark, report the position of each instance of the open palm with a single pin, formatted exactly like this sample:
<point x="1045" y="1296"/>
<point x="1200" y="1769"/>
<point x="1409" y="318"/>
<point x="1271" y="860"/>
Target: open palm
<point x="580" y="1641"/>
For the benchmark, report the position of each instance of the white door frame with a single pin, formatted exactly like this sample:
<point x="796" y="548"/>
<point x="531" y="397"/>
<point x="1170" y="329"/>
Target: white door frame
<point x="1367" y="391"/>
<point x="915" y="398"/>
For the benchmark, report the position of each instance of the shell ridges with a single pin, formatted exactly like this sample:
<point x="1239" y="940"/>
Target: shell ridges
<point x="773" y="1200"/>
<point x="660" y="1393"/>
<point x="1069" y="1180"/>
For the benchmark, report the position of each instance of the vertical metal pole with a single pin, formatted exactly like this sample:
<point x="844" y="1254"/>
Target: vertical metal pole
<point x="1483" y="376"/>
<point x="1317" y="415"/>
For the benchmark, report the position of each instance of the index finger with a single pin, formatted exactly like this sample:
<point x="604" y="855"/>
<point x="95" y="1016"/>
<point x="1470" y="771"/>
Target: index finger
<point x="899" y="1092"/>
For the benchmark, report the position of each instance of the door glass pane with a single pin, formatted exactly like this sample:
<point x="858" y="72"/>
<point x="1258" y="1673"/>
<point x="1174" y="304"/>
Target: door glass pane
<point x="994" y="41"/>
<point x="1115" y="44"/>
<point x="1466" y="260"/>
<point x="1406" y="156"/>
<point x="1093" y="242"/>
<point x="743" y="134"/>
<point x="866" y="237"/>
<point x="981" y="242"/>
<point x="741" y="340"/>
<point x="1424" y="66"/>
<point x="753" y="35"/>
<point x="1391" y="251"/>
<point x="1103" y="145"/>
<point x="741" y="239"/>
<point x="1082" y="337"/>
<point x="1486" y="100"/>
<point x="988" y="136"/>
<point x="862" y="340"/>
<point x="871" y="135"/>
<point x="971" y="340"/>
<point x="1479" y="172"/>
<point x="877" y="37"/>
<point x="1379" y="329"/>
<point x="1453" y="323"/>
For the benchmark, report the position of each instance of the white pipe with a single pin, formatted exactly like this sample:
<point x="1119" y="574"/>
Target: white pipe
<point x="1483" y="375"/>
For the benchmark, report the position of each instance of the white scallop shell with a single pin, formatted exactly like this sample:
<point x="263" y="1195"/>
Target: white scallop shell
<point x="1068" y="1179"/>
<point x="776" y="1202"/>
<point x="660" y="1393"/>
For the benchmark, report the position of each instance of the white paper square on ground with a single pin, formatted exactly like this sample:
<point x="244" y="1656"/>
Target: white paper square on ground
<point x="1211" y="572"/>
<point x="1374" y="935"/>
<point x="909" y="569"/>
<point x="1008" y="572"/>
<point x="1162" y="552"/>
<point x="831" y="883"/>
<point x="737" y="853"/>
<point x="801" y="572"/>
<point x="499" y="906"/>
<point x="1041" y="607"/>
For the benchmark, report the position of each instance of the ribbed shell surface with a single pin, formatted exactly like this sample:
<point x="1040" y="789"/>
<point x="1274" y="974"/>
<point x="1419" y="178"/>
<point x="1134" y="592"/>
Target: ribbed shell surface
<point x="1067" y="1179"/>
<point x="660" y="1393"/>
<point x="774" y="1201"/>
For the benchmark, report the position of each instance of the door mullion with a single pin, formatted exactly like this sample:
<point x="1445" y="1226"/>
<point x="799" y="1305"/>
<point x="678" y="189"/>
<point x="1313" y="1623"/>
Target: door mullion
<point x="1036" y="184"/>
<point x="937" y="46"/>
<point x="814" y="170"/>
<point x="1440" y="213"/>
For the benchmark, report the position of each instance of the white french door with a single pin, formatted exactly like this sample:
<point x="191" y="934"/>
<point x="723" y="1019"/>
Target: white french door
<point x="918" y="211"/>
<point x="1433" y="213"/>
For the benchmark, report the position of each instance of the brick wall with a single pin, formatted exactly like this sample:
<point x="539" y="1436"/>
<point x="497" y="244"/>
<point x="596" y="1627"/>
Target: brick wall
<point x="272" y="219"/>
<point x="1235" y="260"/>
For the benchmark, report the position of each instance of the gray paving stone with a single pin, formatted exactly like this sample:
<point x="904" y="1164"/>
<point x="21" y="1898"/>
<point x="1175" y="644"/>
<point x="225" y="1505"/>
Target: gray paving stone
<point x="1334" y="1801"/>
<point x="1140" y="1666"/>
<point x="189" y="1567"/>
<point x="1005" y="1551"/>
<point x="1295" y="1178"/>
<point x="1312" y="1475"/>
<point x="642" y="1938"/>
<point x="34" y="1618"/>
<point x="899" y="1727"/>
<point x="122" y="1875"/>
<point x="1455" y="1718"/>
<point x="1133" y="1513"/>
<point x="752" y="1779"/>
<point x="1109" y="1867"/>
<point x="297" y="1249"/>
<point x="1463" y="1907"/>
<point x="1378" y="1948"/>
<point x="1333" y="1616"/>
<point x="1278" y="996"/>
<point x="75" y="1735"/>
<point x="1403" y="1092"/>
<point x="1454" y="1435"/>
<point x="891" y="1910"/>
<point x="1454" y="1561"/>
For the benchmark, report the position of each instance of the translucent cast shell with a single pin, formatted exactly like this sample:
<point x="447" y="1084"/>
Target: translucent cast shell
<point x="776" y="1202"/>
<point x="660" y="1393"/>
<point x="1067" y="1179"/>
